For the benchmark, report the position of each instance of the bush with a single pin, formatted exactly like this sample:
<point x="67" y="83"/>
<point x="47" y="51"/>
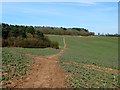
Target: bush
<point x="29" y="42"/>
<point x="54" y="44"/>
<point x="4" y="43"/>
<point x="24" y="36"/>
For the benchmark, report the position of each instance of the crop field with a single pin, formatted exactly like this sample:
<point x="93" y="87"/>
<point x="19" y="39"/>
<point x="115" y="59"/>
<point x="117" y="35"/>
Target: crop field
<point x="96" y="51"/>
<point x="101" y="51"/>
<point x="34" y="51"/>
<point x="15" y="63"/>
<point x="59" y="39"/>
<point x="79" y="59"/>
<point x="82" y="77"/>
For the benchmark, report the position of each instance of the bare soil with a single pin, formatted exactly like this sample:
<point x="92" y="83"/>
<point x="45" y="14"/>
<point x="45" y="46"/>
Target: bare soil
<point x="95" y="67"/>
<point x="45" y="72"/>
<point x="103" y="69"/>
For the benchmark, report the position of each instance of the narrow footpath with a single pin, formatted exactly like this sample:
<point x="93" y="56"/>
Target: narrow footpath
<point x="45" y="73"/>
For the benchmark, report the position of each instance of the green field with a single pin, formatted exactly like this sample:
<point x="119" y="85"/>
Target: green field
<point x="102" y="51"/>
<point x="15" y="62"/>
<point x="81" y="77"/>
<point x="33" y="51"/>
<point x="59" y="39"/>
<point x="99" y="51"/>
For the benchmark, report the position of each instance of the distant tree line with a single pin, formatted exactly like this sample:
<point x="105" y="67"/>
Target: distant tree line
<point x="109" y="35"/>
<point x="64" y="31"/>
<point x="25" y="36"/>
<point x="113" y="35"/>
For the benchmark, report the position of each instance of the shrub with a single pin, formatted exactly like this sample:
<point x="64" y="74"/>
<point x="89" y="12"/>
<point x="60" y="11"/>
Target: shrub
<point x="4" y="43"/>
<point x="54" y="44"/>
<point x="25" y="36"/>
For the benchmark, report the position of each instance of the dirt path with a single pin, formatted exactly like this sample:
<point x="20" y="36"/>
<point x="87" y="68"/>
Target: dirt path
<point x="45" y="73"/>
<point x="65" y="45"/>
<point x="95" y="67"/>
<point x="103" y="69"/>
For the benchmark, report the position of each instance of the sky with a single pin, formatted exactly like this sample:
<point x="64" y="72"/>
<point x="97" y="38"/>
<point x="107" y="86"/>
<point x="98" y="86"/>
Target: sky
<point x="98" y="17"/>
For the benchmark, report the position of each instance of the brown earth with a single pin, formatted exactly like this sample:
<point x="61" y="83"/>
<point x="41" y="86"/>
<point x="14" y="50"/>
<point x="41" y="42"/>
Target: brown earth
<point x="95" y="67"/>
<point x="103" y="69"/>
<point x="45" y="73"/>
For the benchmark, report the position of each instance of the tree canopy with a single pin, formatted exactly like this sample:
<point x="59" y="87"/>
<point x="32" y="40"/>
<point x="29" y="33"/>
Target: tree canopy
<point x="64" y="31"/>
<point x="25" y="36"/>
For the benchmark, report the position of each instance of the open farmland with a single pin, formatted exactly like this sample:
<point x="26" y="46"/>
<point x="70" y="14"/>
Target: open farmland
<point x="59" y="39"/>
<point x="17" y="61"/>
<point x="100" y="51"/>
<point x="87" y="51"/>
<point x="90" y="62"/>
<point x="60" y="45"/>
<point x="33" y="51"/>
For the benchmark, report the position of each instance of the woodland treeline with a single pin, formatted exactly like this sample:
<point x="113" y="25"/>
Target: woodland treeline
<point x="25" y="36"/>
<point x="64" y="31"/>
<point x="33" y="37"/>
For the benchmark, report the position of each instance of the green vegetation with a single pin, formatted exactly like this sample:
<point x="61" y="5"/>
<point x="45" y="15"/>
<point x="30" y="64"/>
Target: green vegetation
<point x="81" y="77"/>
<point x="34" y="51"/>
<point x="25" y="36"/>
<point x="14" y="64"/>
<point x="59" y="39"/>
<point x="15" y="61"/>
<point x="64" y="31"/>
<point x="100" y="51"/>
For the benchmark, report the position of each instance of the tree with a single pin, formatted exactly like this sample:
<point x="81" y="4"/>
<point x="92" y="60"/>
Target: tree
<point x="98" y="34"/>
<point x="24" y="36"/>
<point x="39" y="34"/>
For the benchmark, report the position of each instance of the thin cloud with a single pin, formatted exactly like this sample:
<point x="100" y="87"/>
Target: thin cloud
<point x="45" y="10"/>
<point x="11" y="9"/>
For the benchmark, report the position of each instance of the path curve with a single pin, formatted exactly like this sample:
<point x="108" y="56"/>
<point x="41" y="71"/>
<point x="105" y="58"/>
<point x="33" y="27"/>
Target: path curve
<point x="45" y="73"/>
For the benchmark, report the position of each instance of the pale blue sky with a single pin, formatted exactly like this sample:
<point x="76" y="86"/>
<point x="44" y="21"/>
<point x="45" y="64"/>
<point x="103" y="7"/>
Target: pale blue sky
<point x="97" y="17"/>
